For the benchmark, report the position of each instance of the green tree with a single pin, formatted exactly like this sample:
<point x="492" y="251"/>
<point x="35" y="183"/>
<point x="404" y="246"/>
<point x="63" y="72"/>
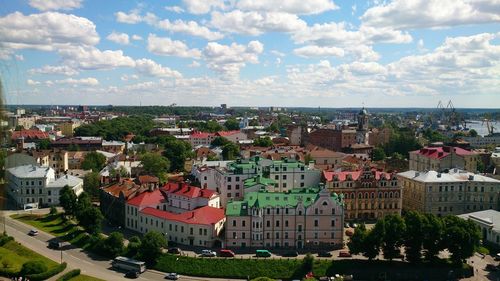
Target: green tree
<point x="273" y="128"/>
<point x="373" y="240"/>
<point x="378" y="154"/>
<point x="82" y="204"/>
<point x="155" y="164"/>
<point x="308" y="262"/>
<point x="121" y="171"/>
<point x="210" y="126"/>
<point x="33" y="267"/>
<point x="414" y="236"/>
<point x="67" y="200"/>
<point x="134" y="244"/>
<point x="433" y="230"/>
<point x="263" y="142"/>
<point x="253" y="122"/>
<point x="219" y="141"/>
<point x="113" y="245"/>
<point x="151" y="245"/>
<point x="308" y="158"/>
<point x="395" y="228"/>
<point x="481" y="167"/>
<point x="94" y="161"/>
<point x="232" y="124"/>
<point x="53" y="211"/>
<point x="91" y="184"/>
<point x="177" y="151"/>
<point x="44" y="144"/>
<point x="91" y="220"/>
<point x="356" y="243"/>
<point x="230" y="151"/>
<point x="461" y="238"/>
<point x="473" y="133"/>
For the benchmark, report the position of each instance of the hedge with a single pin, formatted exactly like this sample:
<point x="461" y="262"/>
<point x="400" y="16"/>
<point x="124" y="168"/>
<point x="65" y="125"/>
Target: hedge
<point x="4" y="239"/>
<point x="49" y="273"/>
<point x="68" y="275"/>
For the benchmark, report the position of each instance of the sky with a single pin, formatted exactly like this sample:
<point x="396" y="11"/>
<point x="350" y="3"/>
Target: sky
<point x="294" y="53"/>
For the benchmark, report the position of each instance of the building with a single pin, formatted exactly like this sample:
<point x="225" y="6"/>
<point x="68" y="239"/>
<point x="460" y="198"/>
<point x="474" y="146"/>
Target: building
<point x="481" y="141"/>
<point x="362" y="128"/>
<point x="78" y="143"/>
<point x="295" y="134"/>
<point x="34" y="184"/>
<point x="332" y="139"/>
<point x="379" y="137"/>
<point x="200" y="226"/>
<point x="368" y="194"/>
<point x="184" y="197"/>
<point x="29" y="135"/>
<point x="452" y="193"/>
<point x="326" y="157"/>
<point x="68" y="128"/>
<point x="442" y="158"/>
<point x="489" y="223"/>
<point x="113" y="146"/>
<point x="299" y="218"/>
<point x="201" y="138"/>
<point x="232" y="136"/>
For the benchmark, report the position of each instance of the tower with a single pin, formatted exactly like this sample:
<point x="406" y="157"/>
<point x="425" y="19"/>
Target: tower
<point x="362" y="129"/>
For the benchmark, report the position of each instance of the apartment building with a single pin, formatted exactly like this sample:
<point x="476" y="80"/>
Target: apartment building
<point x="452" y="193"/>
<point x="298" y="218"/>
<point x="443" y="157"/>
<point x="368" y="194"/>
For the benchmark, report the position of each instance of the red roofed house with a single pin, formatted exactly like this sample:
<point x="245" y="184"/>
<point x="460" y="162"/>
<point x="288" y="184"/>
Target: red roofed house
<point x="368" y="194"/>
<point x="232" y="136"/>
<point x="31" y="135"/>
<point x="185" y="214"/>
<point x="443" y="157"/>
<point x="201" y="138"/>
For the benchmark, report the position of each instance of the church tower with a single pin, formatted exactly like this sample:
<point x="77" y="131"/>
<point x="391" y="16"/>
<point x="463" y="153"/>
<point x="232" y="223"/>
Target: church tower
<point x="362" y="130"/>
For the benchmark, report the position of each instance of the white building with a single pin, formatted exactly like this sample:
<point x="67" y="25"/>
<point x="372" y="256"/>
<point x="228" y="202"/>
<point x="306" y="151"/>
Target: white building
<point x="34" y="184"/>
<point x="489" y="222"/>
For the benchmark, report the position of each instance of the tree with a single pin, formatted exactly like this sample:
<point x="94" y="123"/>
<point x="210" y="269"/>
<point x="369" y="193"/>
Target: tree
<point x="373" y="240"/>
<point x="481" y="167"/>
<point x="177" y="151"/>
<point x="83" y="203"/>
<point x="253" y="122"/>
<point x="91" y="220"/>
<point x="433" y="229"/>
<point x="91" y="184"/>
<point x="219" y="141"/>
<point x="113" y="245"/>
<point x="151" y="245"/>
<point x="232" y="124"/>
<point x="44" y="144"/>
<point x="273" y="128"/>
<point x="472" y="133"/>
<point x="94" y="161"/>
<point x="155" y="164"/>
<point x="230" y="151"/>
<point x="461" y="238"/>
<point x="308" y="158"/>
<point x="378" y="154"/>
<point x="134" y="244"/>
<point x="121" y="171"/>
<point x="33" y="267"/>
<point x="53" y="211"/>
<point x="263" y="142"/>
<point x="308" y="262"/>
<point x="67" y="200"/>
<point x="414" y="235"/>
<point x="394" y="229"/>
<point x="356" y="243"/>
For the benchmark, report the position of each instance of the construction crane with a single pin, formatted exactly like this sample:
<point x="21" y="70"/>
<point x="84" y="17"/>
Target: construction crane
<point x="489" y="126"/>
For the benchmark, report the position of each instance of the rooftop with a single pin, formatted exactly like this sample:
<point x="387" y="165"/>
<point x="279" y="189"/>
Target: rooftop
<point x="454" y="175"/>
<point x="29" y="134"/>
<point x="355" y="175"/>
<point x="442" y="151"/>
<point x="205" y="215"/>
<point x="147" y="198"/>
<point x="258" y="180"/>
<point x="489" y="217"/>
<point x="29" y="171"/>
<point x="186" y="190"/>
<point x="68" y="180"/>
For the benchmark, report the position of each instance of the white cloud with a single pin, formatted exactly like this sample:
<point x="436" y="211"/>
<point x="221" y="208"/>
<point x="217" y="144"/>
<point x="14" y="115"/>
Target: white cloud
<point x="189" y="27"/>
<point x="19" y="57"/>
<point x="46" y="31"/>
<point x="194" y="64"/>
<point x="256" y="23"/>
<point x="277" y="53"/>
<point x="119" y="38"/>
<point x="265" y="81"/>
<point x="175" y="9"/>
<point x="402" y="14"/>
<point x="198" y="7"/>
<point x="32" y="82"/>
<point x="315" y="51"/>
<point x="151" y="68"/>
<point x="306" y="7"/>
<point x="52" y="69"/>
<point x="47" y="5"/>
<point x="168" y="47"/>
<point x="136" y="37"/>
<point x="83" y="81"/>
<point x="126" y="77"/>
<point x="229" y="59"/>
<point x="93" y="58"/>
<point x="130" y="18"/>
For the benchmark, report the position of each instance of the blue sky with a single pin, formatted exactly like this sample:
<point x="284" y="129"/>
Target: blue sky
<point x="252" y="52"/>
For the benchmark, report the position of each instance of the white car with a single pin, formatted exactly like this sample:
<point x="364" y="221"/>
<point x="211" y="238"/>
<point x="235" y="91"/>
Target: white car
<point x="172" y="276"/>
<point x="208" y="253"/>
<point x="33" y="232"/>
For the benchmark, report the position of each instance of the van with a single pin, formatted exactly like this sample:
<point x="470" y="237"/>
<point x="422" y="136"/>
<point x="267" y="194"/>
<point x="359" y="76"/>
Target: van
<point x="226" y="253"/>
<point x="262" y="253"/>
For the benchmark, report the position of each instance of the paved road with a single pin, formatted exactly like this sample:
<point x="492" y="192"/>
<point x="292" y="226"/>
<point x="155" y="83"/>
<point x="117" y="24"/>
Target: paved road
<point x="76" y="257"/>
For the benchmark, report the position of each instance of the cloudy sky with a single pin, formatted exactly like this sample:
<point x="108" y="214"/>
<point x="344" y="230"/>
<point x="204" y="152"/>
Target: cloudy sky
<point x="404" y="53"/>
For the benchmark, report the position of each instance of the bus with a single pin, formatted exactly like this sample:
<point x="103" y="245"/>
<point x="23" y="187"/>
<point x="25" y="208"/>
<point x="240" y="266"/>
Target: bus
<point x="125" y="263"/>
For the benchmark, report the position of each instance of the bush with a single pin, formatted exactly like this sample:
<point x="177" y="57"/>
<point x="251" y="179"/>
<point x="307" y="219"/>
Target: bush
<point x="68" y="275"/>
<point x="4" y="239"/>
<point x="47" y="274"/>
<point x="263" y="279"/>
<point x="33" y="267"/>
<point x="53" y="210"/>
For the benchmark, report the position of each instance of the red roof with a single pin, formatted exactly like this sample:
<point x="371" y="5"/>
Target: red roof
<point x="147" y="198"/>
<point x="29" y="134"/>
<point x="227" y="133"/>
<point x="342" y="176"/>
<point x="183" y="189"/>
<point x="148" y="179"/>
<point x="205" y="215"/>
<point x="442" y="151"/>
<point x="201" y="135"/>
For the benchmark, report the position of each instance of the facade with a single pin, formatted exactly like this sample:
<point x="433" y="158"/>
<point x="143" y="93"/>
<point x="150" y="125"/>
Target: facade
<point x="55" y="159"/>
<point x="332" y="139"/>
<point x="489" y="223"/>
<point x="379" y="137"/>
<point x="34" y="184"/>
<point x="232" y="136"/>
<point x="368" y="194"/>
<point x="480" y="141"/>
<point x="29" y="135"/>
<point x="442" y="158"/>
<point x="326" y="157"/>
<point x="300" y="218"/>
<point x="452" y="193"/>
<point x="201" y="138"/>
<point x="81" y="143"/>
<point x="362" y="128"/>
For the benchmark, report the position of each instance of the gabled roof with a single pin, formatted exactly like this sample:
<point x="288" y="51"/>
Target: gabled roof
<point x="227" y="133"/>
<point x="442" y="151"/>
<point x="147" y="198"/>
<point x="186" y="190"/>
<point x="205" y="215"/>
<point x="148" y="179"/>
<point x="29" y="134"/>
<point x="201" y="135"/>
<point x="355" y="175"/>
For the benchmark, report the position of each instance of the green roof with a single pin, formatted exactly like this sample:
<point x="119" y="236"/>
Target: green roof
<point x="289" y="163"/>
<point x="275" y="199"/>
<point x="258" y="180"/>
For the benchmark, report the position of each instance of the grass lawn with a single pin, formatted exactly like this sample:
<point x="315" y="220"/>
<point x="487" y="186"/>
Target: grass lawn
<point x="16" y="255"/>
<point x="55" y="225"/>
<point x="85" y="278"/>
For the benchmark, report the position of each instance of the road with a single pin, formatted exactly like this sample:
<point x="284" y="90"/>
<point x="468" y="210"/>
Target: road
<point x="76" y="257"/>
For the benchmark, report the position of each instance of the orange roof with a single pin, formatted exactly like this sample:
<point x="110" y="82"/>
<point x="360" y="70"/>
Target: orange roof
<point x="205" y="215"/>
<point x="148" y="179"/>
<point x="186" y="190"/>
<point x="227" y="133"/>
<point x="127" y="186"/>
<point x="29" y="134"/>
<point x="147" y="198"/>
<point x="201" y="135"/>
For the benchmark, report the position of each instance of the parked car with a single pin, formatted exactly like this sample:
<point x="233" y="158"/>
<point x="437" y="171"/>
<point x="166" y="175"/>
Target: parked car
<point x="208" y="253"/>
<point x="349" y="232"/>
<point x="491" y="267"/>
<point x="226" y="253"/>
<point x="132" y="274"/>
<point x="172" y="276"/>
<point x="262" y="253"/>
<point x="291" y="254"/>
<point x="346" y="225"/>
<point x="344" y="254"/>
<point x="353" y="225"/>
<point x="174" y="250"/>
<point x="497" y="257"/>
<point x="33" y="232"/>
<point x="324" y="254"/>
<point x="55" y="244"/>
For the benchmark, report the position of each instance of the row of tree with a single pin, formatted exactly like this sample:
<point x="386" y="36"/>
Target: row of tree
<point x="80" y="207"/>
<point x="420" y="235"/>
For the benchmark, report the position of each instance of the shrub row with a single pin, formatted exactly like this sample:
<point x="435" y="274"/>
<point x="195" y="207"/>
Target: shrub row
<point x="49" y="273"/>
<point x="68" y="275"/>
<point x="4" y="239"/>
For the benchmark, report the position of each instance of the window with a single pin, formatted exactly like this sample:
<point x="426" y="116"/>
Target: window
<point x="234" y="235"/>
<point x="316" y="223"/>
<point x="229" y="194"/>
<point x="268" y="223"/>
<point x="302" y="177"/>
<point x="243" y="235"/>
<point x="299" y="228"/>
<point x="228" y="187"/>
<point x="268" y="210"/>
<point x="228" y="179"/>
<point x="277" y="235"/>
<point x="284" y="185"/>
<point x="286" y="210"/>
<point x="237" y="186"/>
<point x="333" y="222"/>
<point x="49" y="192"/>
<point x="286" y="223"/>
<point x="237" y="178"/>
<point x="316" y="211"/>
<point x="284" y="177"/>
<point x="277" y="223"/>
<point x="234" y="223"/>
<point x="243" y="223"/>
<point x="277" y="177"/>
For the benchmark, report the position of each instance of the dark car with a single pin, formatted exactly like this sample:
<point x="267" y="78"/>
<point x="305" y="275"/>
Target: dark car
<point x="491" y="267"/>
<point x="290" y="254"/>
<point x="132" y="274"/>
<point x="324" y="254"/>
<point x="344" y="254"/>
<point x="174" y="250"/>
<point x="55" y="245"/>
